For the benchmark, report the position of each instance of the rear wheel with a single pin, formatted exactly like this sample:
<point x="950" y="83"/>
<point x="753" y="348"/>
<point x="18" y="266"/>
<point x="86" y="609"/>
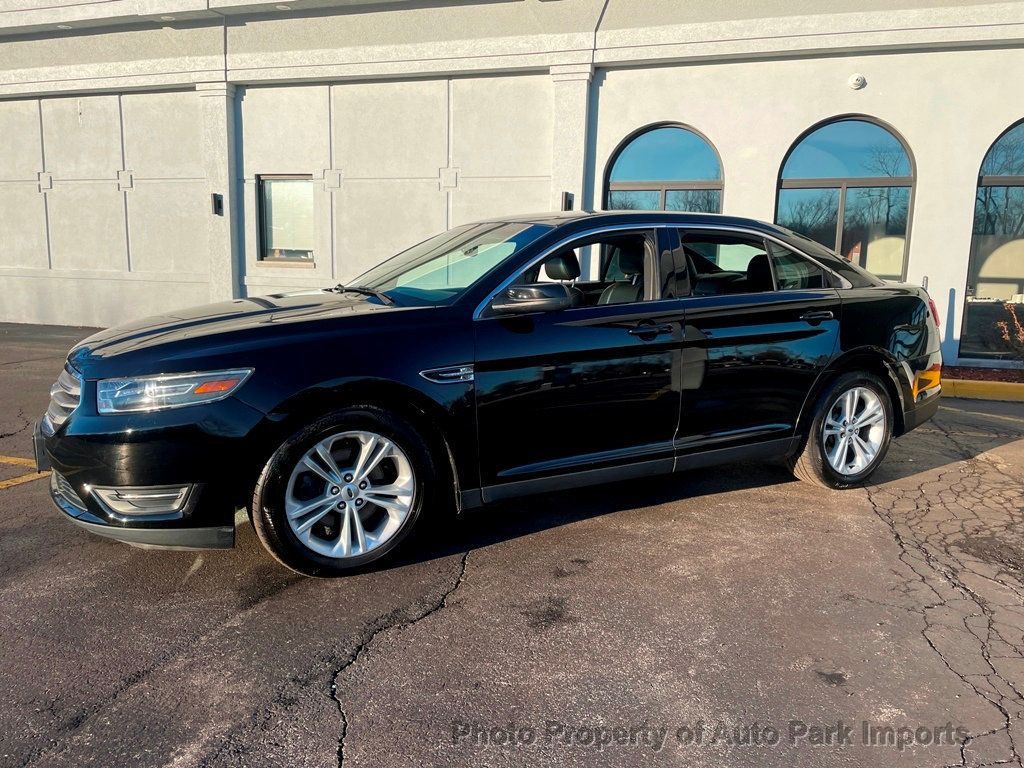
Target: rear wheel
<point x="849" y="435"/>
<point x="343" y="492"/>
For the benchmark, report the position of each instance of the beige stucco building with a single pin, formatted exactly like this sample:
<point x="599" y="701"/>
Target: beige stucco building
<point x="161" y="153"/>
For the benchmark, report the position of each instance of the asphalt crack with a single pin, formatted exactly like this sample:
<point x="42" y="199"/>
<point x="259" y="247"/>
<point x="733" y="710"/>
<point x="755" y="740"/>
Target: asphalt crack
<point x="971" y="607"/>
<point x="394" y="620"/>
<point x="26" y="422"/>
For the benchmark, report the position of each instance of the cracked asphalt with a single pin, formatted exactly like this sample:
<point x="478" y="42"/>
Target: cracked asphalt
<point x="675" y="621"/>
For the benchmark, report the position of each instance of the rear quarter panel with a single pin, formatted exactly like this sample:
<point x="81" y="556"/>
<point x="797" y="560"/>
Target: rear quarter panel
<point x="892" y="321"/>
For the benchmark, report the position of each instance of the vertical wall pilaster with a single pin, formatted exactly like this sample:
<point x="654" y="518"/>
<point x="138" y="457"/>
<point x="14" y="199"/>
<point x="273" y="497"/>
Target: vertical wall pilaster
<point x="218" y="100"/>
<point x="571" y="125"/>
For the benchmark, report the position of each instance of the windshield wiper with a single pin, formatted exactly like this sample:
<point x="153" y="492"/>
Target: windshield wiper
<point x="365" y="291"/>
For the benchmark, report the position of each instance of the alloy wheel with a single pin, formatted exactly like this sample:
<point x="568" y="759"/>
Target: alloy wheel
<point x="349" y="494"/>
<point x="854" y="430"/>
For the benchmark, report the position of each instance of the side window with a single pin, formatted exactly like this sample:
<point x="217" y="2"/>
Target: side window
<point x="623" y="261"/>
<point x="722" y="263"/>
<point x="793" y="272"/>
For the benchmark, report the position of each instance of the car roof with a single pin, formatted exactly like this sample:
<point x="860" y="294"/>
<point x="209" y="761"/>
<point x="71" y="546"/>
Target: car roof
<point x="591" y="218"/>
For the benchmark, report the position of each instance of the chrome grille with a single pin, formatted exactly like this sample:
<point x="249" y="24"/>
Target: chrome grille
<point x="64" y="397"/>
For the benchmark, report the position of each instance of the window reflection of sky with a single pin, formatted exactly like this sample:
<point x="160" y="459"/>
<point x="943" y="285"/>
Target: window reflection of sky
<point x="847" y="149"/>
<point x="1006" y="158"/>
<point x="666" y="154"/>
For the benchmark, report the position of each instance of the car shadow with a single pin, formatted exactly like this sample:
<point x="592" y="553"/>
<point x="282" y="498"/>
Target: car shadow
<point x="962" y="430"/>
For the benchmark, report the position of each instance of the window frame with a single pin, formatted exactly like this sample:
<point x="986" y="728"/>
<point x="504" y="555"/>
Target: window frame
<point x="663" y="187"/>
<point x="841" y="184"/>
<point x="261" y="257"/>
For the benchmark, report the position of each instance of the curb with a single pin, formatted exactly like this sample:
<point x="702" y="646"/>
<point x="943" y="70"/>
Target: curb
<point x="1007" y="391"/>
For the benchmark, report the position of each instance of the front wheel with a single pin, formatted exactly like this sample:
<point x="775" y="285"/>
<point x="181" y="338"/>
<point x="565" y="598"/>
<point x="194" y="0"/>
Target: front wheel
<point x="849" y="434"/>
<point x="343" y="492"/>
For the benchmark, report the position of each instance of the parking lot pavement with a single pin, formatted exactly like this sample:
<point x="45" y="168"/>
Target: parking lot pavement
<point x="683" y="620"/>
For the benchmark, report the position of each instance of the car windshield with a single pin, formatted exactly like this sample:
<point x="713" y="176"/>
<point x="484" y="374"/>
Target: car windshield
<point x="439" y="270"/>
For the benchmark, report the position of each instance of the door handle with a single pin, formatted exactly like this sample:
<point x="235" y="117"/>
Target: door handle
<point x="817" y="317"/>
<point x="650" y="329"/>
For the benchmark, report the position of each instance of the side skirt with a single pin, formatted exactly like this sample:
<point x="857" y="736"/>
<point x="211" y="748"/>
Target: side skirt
<point x="769" y="449"/>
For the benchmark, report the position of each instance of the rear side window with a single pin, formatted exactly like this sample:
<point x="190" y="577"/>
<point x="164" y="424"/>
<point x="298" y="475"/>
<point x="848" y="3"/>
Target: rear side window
<point x="793" y="272"/>
<point x="855" y="275"/>
<point x="723" y="263"/>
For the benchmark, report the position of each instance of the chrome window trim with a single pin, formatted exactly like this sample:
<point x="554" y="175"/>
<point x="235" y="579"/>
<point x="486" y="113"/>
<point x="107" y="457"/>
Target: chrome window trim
<point x="843" y="282"/>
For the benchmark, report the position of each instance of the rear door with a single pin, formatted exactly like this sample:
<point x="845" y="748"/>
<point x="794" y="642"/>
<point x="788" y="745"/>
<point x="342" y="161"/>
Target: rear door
<point x="761" y="323"/>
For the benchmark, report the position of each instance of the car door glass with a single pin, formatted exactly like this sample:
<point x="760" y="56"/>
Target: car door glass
<point x="726" y="264"/>
<point x="794" y="272"/>
<point x="621" y="262"/>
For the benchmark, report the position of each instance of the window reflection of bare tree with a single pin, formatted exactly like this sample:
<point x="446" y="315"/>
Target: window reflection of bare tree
<point x="690" y="200"/>
<point x="618" y="201"/>
<point x="1000" y="210"/>
<point x="696" y="200"/>
<point x="815" y="216"/>
<point x="872" y="213"/>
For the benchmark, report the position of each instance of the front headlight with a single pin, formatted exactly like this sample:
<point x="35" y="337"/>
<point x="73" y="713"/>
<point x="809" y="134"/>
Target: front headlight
<point x="156" y="393"/>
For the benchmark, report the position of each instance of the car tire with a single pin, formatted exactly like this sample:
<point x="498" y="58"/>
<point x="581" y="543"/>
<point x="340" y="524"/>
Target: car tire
<point x="298" y="477"/>
<point x="854" y="408"/>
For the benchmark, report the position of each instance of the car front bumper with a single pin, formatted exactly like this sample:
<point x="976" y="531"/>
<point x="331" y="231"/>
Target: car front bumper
<point x="170" y="480"/>
<point x="202" y="537"/>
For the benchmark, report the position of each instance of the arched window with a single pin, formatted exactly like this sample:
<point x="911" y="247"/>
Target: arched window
<point x="666" y="168"/>
<point x="848" y="184"/>
<point x="995" y="273"/>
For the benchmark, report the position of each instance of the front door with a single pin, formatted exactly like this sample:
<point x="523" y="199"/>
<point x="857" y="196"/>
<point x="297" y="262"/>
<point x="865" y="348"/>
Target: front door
<point x="581" y="389"/>
<point x="761" y="323"/>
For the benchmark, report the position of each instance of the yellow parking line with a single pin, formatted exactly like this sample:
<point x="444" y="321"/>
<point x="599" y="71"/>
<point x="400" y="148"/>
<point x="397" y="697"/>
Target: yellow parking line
<point x="17" y="460"/>
<point x="22" y="479"/>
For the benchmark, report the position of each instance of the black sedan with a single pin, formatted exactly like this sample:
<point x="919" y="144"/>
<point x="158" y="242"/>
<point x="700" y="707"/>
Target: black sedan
<point x="497" y="359"/>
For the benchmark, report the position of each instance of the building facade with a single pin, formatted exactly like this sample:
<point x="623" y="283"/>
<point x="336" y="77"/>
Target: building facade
<point x="160" y="153"/>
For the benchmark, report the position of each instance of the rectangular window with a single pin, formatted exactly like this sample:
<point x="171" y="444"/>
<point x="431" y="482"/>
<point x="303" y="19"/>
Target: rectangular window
<point x="811" y="212"/>
<point x="875" y="229"/>
<point x="286" y="218"/>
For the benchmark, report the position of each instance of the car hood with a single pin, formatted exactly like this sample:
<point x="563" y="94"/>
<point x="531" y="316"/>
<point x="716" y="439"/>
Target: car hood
<point x="229" y="317"/>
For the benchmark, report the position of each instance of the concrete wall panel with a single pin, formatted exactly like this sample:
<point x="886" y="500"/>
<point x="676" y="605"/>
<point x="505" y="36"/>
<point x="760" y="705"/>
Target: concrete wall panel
<point x="82" y="137"/>
<point x="22" y="226"/>
<point x="502" y="126"/>
<point x="376" y="220"/>
<point x="485" y="198"/>
<point x="162" y="226"/>
<point x="93" y="300"/>
<point x="285" y="130"/>
<point x="87" y="227"/>
<point x="21" y="154"/>
<point x="163" y="135"/>
<point x="391" y="130"/>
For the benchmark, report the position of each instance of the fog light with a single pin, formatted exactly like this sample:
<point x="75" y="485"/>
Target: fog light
<point x="146" y="500"/>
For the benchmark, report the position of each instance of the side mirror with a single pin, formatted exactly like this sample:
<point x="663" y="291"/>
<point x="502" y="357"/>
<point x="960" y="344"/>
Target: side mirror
<point x="536" y="297"/>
